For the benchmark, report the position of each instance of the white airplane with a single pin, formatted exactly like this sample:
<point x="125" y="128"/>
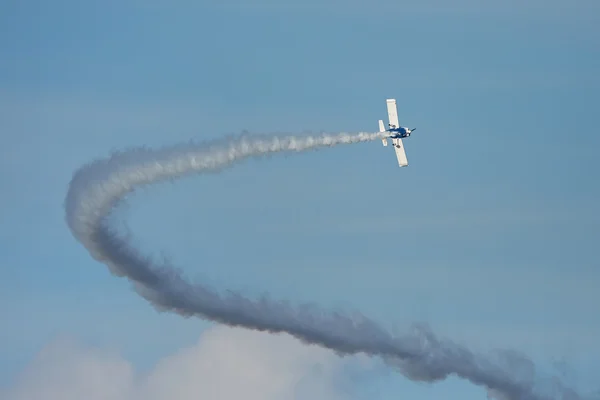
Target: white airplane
<point x="397" y="132"/>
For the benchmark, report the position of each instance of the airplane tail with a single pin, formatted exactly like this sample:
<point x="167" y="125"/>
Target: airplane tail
<point x="382" y="129"/>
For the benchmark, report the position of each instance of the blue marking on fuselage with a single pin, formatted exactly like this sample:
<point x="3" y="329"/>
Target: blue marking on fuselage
<point x="399" y="132"/>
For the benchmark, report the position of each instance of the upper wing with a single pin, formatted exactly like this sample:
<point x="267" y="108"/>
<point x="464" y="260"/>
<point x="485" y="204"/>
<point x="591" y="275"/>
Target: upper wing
<point x="400" y="153"/>
<point x="392" y="110"/>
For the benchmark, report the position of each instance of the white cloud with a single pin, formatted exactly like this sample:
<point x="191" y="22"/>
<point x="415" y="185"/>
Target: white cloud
<point x="226" y="364"/>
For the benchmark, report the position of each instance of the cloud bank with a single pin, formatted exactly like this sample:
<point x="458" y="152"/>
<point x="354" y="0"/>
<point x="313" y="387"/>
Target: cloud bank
<point x="225" y="364"/>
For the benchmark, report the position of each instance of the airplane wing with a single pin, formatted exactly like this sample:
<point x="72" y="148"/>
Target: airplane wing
<point x="392" y="110"/>
<point x="400" y="153"/>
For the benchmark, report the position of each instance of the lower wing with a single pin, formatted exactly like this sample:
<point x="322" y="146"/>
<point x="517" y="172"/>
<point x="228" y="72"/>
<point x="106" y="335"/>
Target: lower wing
<point x="400" y="153"/>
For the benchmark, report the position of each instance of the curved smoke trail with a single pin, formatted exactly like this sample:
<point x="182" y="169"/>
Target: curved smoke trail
<point x="98" y="188"/>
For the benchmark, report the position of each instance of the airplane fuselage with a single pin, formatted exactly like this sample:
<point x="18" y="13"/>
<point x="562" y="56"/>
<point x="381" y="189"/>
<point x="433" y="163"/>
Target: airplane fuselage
<point x="399" y="133"/>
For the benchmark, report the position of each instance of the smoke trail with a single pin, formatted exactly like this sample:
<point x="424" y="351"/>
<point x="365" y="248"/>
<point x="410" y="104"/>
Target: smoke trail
<point x="97" y="188"/>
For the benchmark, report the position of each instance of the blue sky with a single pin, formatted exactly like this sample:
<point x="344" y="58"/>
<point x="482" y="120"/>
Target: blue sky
<point x="489" y="235"/>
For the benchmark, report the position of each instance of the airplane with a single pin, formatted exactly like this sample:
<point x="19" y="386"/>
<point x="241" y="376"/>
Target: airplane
<point x="397" y="132"/>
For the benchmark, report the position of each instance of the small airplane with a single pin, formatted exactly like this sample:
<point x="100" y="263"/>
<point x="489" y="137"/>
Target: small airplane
<point x="397" y="132"/>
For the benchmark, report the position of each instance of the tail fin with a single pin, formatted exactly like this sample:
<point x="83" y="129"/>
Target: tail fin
<point x="382" y="129"/>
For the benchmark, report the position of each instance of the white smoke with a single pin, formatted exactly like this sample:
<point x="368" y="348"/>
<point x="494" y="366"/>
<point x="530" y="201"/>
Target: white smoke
<point x="98" y="188"/>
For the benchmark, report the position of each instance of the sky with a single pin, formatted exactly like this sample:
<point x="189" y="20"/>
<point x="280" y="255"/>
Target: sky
<point x="489" y="236"/>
